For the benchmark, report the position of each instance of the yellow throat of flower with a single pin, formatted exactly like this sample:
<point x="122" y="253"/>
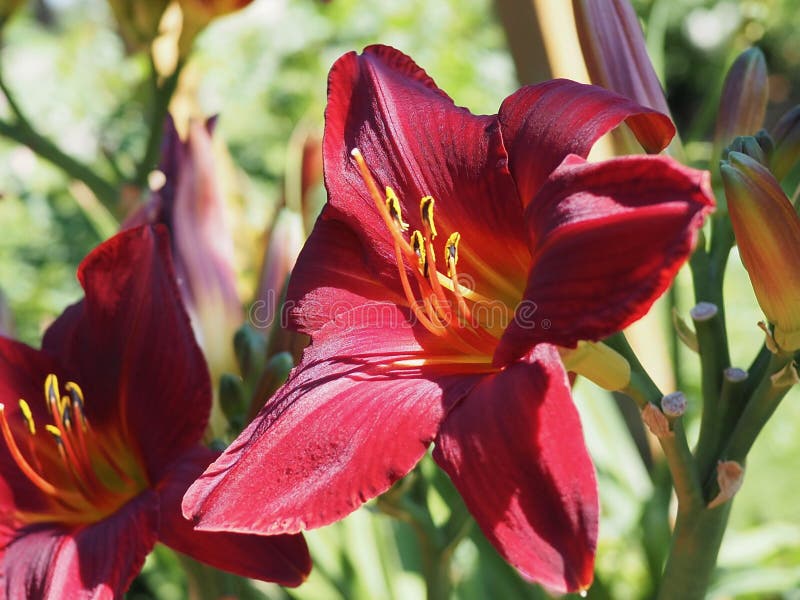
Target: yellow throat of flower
<point x="445" y="307"/>
<point x="86" y="475"/>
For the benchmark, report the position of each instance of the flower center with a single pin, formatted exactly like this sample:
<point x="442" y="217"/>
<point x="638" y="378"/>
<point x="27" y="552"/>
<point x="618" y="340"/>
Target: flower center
<point x="88" y="476"/>
<point x="445" y="307"/>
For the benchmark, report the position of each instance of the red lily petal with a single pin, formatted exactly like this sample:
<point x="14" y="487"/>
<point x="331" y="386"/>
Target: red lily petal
<point x="96" y="562"/>
<point x="330" y="278"/>
<point x="544" y="123"/>
<point x="282" y="558"/>
<point x="349" y="422"/>
<point x="514" y="449"/>
<point x="375" y="101"/>
<point x="130" y="346"/>
<point x="607" y="240"/>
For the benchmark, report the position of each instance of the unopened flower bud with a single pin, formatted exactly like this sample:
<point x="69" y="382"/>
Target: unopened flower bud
<point x="191" y="205"/>
<point x="786" y="140"/>
<point x="749" y="145"/>
<point x="251" y="351"/>
<point x="615" y="52"/>
<point x="743" y="102"/>
<point x="767" y="231"/>
<point x="232" y="399"/>
<point x="197" y="14"/>
<point x="598" y="363"/>
<point x="137" y="21"/>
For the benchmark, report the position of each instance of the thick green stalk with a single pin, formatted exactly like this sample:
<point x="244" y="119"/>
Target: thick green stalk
<point x="714" y="359"/>
<point x="696" y="540"/>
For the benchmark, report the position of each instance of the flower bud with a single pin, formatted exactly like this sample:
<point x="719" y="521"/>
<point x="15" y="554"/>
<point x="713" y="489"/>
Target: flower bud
<point x="615" y="52"/>
<point x="751" y="146"/>
<point x="197" y="14"/>
<point x="743" y="102"/>
<point x="137" y="21"/>
<point x="786" y="140"/>
<point x="285" y="242"/>
<point x="190" y="204"/>
<point x="599" y="363"/>
<point x="767" y="231"/>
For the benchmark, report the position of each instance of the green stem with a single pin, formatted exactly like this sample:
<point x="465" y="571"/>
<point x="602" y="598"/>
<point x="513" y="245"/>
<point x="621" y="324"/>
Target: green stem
<point x="645" y="392"/>
<point x="760" y="406"/>
<point x="162" y="92"/>
<point x="409" y="503"/>
<point x="714" y="359"/>
<point x="696" y="540"/>
<point x="20" y="130"/>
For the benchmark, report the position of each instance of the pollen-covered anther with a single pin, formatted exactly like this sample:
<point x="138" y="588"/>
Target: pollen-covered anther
<point x="451" y="253"/>
<point x="426" y="212"/>
<point x="418" y="244"/>
<point x="393" y="206"/>
<point x="27" y="416"/>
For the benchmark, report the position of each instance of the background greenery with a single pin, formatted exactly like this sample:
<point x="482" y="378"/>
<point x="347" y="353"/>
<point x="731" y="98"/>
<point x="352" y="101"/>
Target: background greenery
<point x="264" y="71"/>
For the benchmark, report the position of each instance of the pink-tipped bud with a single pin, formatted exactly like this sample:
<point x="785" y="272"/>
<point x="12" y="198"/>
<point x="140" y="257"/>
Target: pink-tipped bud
<point x="191" y="205"/>
<point x="743" y="103"/>
<point x="786" y="142"/>
<point x="767" y="232"/>
<point x="615" y="52"/>
<point x="285" y="242"/>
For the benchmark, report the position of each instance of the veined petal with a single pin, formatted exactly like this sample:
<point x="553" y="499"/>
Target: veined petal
<point x="97" y="562"/>
<point x="615" y="51"/>
<point x="607" y="240"/>
<point x="375" y="101"/>
<point x="743" y="102"/>
<point x="130" y="346"/>
<point x="282" y="558"/>
<point x="514" y="449"/>
<point x="331" y="278"/>
<point x="356" y="415"/>
<point x="542" y="124"/>
<point x="767" y="232"/>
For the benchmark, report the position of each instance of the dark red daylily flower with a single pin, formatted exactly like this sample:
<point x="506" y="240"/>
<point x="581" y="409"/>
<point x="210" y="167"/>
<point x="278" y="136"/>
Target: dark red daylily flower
<point x="101" y="431"/>
<point x="405" y="353"/>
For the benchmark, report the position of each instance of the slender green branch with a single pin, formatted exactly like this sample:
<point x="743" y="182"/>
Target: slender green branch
<point x="161" y="94"/>
<point x="24" y="134"/>
<point x="693" y="555"/>
<point x="714" y="359"/>
<point x="22" y="131"/>
<point x="682" y="465"/>
<point x="646" y="394"/>
<point x="760" y="406"/>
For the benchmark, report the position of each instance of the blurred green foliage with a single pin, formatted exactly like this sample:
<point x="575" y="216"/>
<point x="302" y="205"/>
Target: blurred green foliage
<point x="264" y="71"/>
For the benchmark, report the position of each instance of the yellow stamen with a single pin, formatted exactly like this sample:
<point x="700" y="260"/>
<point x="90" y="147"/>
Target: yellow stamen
<point x="77" y="402"/>
<point x="37" y="480"/>
<point x="418" y="244"/>
<point x="451" y="250"/>
<point x="27" y="416"/>
<point x="426" y="210"/>
<point x="393" y="206"/>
